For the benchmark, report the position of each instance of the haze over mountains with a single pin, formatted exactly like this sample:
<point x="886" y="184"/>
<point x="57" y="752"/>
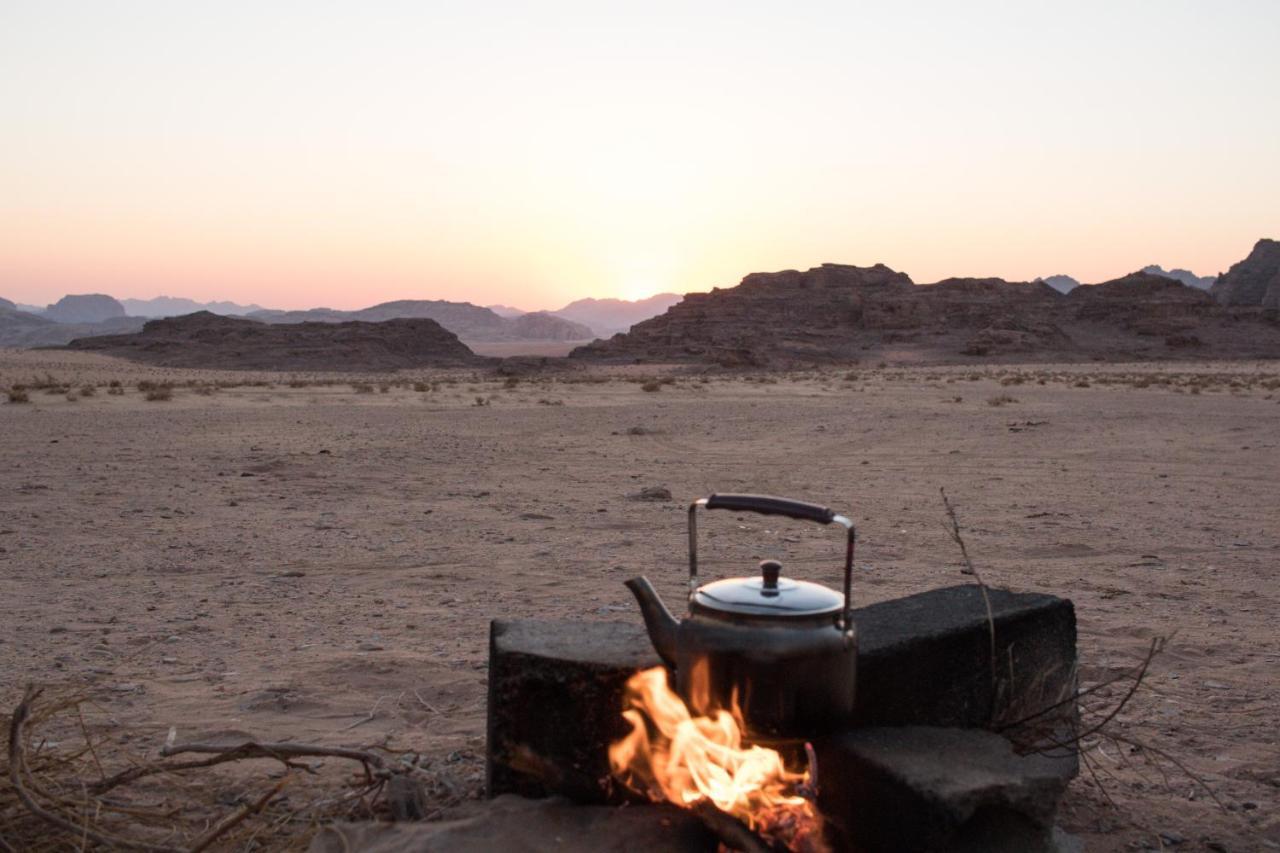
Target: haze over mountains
<point x="76" y="316"/>
<point x="829" y="312"/>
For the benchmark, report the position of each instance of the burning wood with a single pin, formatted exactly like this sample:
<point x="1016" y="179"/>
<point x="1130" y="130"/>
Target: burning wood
<point x="672" y="756"/>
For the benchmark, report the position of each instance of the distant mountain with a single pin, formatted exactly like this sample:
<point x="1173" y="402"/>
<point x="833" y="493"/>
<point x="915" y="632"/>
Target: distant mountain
<point x="6" y="305"/>
<point x="1061" y="283"/>
<point x="1187" y="277"/>
<point x="467" y="321"/>
<point x="30" y="309"/>
<point x="209" y="341"/>
<point x="505" y="310"/>
<point x="176" y="306"/>
<point x="1255" y="281"/>
<point x="84" y="308"/>
<point x="23" y="329"/>
<point x="610" y="316"/>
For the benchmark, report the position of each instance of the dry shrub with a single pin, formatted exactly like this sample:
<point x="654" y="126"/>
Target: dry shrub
<point x="384" y="388"/>
<point x="205" y="390"/>
<point x="69" y="782"/>
<point x="1081" y="383"/>
<point x="511" y="382"/>
<point x="421" y="387"/>
<point x="651" y="385"/>
<point x="1002" y="400"/>
<point x="545" y="402"/>
<point x="18" y="394"/>
<point x="158" y="393"/>
<point x="362" y="387"/>
<point x="88" y="391"/>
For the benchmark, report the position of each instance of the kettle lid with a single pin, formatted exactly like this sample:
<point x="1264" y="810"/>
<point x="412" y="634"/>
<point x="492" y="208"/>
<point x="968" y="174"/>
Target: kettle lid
<point x="770" y="594"/>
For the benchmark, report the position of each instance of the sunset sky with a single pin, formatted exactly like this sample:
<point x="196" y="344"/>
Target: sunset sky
<point x="297" y="154"/>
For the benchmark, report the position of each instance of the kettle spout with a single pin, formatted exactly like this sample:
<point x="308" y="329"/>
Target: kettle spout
<point x="657" y="618"/>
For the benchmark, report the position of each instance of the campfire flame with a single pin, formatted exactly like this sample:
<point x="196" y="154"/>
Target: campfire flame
<point x="671" y="755"/>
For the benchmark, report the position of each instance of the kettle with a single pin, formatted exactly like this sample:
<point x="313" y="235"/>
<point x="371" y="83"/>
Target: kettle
<point x="782" y="652"/>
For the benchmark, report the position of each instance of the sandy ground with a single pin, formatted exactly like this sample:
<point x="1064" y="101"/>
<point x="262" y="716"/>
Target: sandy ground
<point x="322" y="564"/>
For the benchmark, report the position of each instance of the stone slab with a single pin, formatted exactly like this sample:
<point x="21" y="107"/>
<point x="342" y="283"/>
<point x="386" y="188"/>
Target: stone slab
<point x="516" y="825"/>
<point x="938" y="789"/>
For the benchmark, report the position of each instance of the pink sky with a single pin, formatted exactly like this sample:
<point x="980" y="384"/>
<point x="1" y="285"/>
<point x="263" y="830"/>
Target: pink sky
<point x="531" y="155"/>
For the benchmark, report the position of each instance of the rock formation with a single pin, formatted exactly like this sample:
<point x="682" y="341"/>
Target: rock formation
<point x="1061" y="283"/>
<point x="1187" y="277"/>
<point x="6" y="305"/>
<point x="84" y="308"/>
<point x="205" y="340"/>
<point x="176" y="306"/>
<point x="467" y="321"/>
<point x="842" y="313"/>
<point x="1255" y="281"/>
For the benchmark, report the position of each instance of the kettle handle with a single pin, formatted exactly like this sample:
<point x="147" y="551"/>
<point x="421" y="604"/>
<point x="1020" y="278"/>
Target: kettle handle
<point x="769" y="505"/>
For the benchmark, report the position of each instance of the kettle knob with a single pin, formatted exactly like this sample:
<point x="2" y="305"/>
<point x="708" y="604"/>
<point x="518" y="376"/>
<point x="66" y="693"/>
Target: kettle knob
<point x="771" y="570"/>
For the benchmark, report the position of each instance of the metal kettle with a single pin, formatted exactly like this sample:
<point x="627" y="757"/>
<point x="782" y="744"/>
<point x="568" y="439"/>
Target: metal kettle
<point x="783" y="651"/>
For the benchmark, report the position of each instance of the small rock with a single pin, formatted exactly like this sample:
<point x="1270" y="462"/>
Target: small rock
<point x="370" y="646"/>
<point x="58" y="629"/>
<point x="651" y="493"/>
<point x="535" y="516"/>
<point x="637" y="430"/>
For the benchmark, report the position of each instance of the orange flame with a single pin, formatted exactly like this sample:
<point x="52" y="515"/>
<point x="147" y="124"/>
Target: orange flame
<point x="674" y="756"/>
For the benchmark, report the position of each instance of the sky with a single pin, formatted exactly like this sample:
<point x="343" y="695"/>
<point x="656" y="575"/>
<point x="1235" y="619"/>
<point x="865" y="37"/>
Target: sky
<point x="297" y="154"/>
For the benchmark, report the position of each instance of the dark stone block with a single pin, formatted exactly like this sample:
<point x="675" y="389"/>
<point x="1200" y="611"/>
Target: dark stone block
<point x="532" y="826"/>
<point x="926" y="659"/>
<point x="555" y="703"/>
<point x="935" y="789"/>
<point x="555" y="688"/>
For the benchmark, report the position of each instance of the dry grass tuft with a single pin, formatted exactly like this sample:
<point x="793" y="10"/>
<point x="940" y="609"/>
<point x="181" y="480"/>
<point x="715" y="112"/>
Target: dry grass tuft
<point x="156" y="392"/>
<point x="1002" y="400"/>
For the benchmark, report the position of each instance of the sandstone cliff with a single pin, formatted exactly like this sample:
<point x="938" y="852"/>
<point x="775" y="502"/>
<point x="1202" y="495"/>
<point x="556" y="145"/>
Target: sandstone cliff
<point x="1255" y="281"/>
<point x="837" y="313"/>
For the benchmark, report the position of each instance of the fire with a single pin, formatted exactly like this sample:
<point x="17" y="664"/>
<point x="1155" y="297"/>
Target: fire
<point x="674" y="756"/>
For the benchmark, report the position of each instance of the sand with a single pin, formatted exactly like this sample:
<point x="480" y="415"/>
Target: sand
<point x="319" y="563"/>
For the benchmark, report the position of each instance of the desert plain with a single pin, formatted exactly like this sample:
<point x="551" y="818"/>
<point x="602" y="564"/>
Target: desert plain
<point x="317" y="557"/>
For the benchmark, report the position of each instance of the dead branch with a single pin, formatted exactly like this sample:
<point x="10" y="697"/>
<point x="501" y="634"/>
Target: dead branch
<point x="969" y="569"/>
<point x="17" y="768"/>
<point x="234" y="819"/>
<point x="279" y="751"/>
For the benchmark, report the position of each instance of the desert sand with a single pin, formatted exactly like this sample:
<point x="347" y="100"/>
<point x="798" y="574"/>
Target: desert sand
<point x="304" y="558"/>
